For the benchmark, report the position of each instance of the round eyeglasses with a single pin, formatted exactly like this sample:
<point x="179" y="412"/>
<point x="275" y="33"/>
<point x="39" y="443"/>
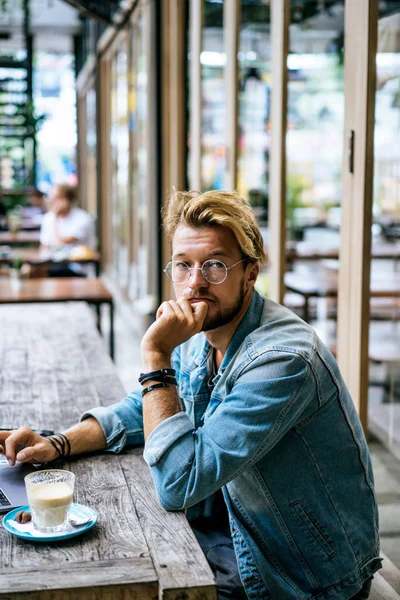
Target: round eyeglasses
<point x="214" y="271"/>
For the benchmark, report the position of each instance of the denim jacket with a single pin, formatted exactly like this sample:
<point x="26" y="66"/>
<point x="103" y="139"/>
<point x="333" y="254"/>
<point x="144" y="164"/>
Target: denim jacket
<point x="280" y="435"/>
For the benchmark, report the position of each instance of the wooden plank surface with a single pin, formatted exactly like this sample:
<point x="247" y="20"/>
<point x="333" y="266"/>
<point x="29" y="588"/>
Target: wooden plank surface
<point x="21" y="238"/>
<point x="54" y="367"/>
<point x="172" y="544"/>
<point x="55" y="289"/>
<point x="381" y="589"/>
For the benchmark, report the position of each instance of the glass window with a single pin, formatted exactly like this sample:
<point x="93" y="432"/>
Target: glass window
<point x="120" y="163"/>
<point x="213" y="120"/>
<point x="254" y="66"/>
<point x="55" y="99"/>
<point x="314" y="151"/>
<point x="384" y="344"/>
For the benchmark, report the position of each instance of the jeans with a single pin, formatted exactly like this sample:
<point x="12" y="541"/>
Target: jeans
<point x="215" y="540"/>
<point x="216" y="543"/>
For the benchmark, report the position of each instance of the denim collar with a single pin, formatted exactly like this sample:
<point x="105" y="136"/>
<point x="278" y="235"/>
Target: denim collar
<point x="200" y="347"/>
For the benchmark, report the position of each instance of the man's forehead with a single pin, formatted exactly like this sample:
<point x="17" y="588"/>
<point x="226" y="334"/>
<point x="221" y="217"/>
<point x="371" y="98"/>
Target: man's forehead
<point x="214" y="238"/>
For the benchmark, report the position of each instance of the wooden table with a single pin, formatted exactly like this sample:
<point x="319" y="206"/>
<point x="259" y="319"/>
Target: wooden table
<point x="54" y="367"/>
<point x="324" y="284"/>
<point x="62" y="289"/>
<point x="34" y="256"/>
<point x="21" y="238"/>
<point x="307" y="251"/>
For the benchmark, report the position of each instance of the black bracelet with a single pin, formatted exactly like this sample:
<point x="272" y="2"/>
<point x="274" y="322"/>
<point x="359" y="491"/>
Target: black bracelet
<point x="163" y="378"/>
<point x="156" y="386"/>
<point x="53" y="443"/>
<point x="67" y="442"/>
<point x="61" y="443"/>
<point x="158" y="373"/>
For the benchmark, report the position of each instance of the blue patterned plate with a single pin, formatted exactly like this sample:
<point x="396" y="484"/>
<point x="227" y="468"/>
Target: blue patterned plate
<point x="27" y="531"/>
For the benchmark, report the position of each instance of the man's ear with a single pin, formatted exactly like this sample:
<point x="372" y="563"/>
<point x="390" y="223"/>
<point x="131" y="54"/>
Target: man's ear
<point x="252" y="271"/>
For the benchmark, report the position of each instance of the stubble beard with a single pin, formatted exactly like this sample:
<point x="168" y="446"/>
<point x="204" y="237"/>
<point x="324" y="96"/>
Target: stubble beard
<point x="225" y="316"/>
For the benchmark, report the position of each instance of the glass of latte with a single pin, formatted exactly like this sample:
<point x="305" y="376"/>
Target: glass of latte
<point x="49" y="498"/>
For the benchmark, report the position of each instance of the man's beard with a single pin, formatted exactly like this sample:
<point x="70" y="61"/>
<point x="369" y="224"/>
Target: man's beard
<point x="224" y="316"/>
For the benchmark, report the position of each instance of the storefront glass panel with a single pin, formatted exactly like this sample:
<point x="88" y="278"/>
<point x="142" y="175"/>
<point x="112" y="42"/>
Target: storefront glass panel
<point x="384" y="344"/>
<point x="314" y="151"/>
<point x="213" y="110"/>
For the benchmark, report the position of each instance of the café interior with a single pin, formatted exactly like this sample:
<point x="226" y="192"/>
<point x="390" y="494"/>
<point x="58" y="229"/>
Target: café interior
<point x="293" y="103"/>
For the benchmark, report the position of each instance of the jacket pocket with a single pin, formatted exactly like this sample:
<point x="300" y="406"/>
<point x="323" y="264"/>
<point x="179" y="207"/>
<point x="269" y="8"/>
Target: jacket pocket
<point x="312" y="529"/>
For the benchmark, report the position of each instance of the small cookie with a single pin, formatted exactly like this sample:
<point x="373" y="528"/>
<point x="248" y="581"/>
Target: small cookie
<point x="23" y="517"/>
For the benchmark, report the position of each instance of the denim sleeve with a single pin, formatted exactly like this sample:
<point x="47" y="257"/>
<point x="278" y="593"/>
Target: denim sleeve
<point x="268" y="397"/>
<point x="122" y="422"/>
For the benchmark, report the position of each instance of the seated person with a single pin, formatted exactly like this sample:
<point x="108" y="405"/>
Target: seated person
<point x="66" y="226"/>
<point x="239" y="395"/>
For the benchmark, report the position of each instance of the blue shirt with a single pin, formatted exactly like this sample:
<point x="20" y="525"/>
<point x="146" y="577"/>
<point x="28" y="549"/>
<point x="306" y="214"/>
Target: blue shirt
<point x="280" y="435"/>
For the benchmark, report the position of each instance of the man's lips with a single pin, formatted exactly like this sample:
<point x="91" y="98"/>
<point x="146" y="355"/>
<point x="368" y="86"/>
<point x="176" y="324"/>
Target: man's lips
<point x="194" y="300"/>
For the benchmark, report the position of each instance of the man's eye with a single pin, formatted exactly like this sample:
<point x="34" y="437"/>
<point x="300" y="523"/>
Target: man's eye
<point x="180" y="265"/>
<point x="215" y="264"/>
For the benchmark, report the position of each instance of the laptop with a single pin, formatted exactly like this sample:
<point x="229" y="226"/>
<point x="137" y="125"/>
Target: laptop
<point x="12" y="485"/>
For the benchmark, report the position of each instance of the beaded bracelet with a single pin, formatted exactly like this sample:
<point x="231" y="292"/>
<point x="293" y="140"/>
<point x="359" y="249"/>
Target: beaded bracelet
<point x="156" y="386"/>
<point x="159" y="373"/>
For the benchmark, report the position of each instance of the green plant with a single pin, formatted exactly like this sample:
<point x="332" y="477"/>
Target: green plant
<point x="17" y="263"/>
<point x="295" y="187"/>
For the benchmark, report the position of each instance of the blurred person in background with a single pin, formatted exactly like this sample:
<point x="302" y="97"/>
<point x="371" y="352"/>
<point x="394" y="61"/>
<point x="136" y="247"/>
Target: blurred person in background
<point x="64" y="227"/>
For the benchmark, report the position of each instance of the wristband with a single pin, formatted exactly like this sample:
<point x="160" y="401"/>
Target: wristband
<point x="163" y="378"/>
<point x="61" y="443"/>
<point x="159" y="373"/>
<point x="156" y="386"/>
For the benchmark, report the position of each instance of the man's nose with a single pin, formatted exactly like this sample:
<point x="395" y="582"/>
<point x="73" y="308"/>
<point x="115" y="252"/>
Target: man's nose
<point x="197" y="279"/>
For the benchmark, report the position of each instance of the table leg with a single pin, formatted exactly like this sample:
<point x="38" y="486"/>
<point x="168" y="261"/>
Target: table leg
<point x="98" y="313"/>
<point x="306" y="309"/>
<point x="112" y="329"/>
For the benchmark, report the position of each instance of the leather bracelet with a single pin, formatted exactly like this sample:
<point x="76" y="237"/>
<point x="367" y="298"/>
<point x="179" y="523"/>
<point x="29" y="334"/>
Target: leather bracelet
<point x="66" y="440"/>
<point x="162" y="378"/>
<point x="61" y="443"/>
<point x="158" y="373"/>
<point x="156" y="386"/>
<point x="53" y="443"/>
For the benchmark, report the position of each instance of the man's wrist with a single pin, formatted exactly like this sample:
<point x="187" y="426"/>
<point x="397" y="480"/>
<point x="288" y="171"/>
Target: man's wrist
<point x="153" y="361"/>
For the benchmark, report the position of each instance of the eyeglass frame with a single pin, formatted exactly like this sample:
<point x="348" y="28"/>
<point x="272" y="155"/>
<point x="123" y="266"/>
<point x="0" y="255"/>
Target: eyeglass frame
<point x="190" y="269"/>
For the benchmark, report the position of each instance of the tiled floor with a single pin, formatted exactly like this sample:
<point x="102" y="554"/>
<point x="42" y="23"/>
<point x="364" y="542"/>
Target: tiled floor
<point x="386" y="466"/>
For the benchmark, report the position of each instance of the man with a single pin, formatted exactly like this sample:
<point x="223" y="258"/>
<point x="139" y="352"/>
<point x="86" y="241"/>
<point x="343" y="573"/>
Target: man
<point x="66" y="226"/>
<point x="259" y="410"/>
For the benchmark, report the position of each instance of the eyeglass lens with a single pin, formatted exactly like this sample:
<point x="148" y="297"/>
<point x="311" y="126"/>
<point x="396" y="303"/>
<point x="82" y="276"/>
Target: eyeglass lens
<point x="214" y="271"/>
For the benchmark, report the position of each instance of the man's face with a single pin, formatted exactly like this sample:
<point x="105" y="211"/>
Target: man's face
<point x="194" y="247"/>
<point x="60" y="205"/>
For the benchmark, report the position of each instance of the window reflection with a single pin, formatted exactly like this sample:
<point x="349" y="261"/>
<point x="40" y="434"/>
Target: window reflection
<point x="254" y="63"/>
<point x="213" y="120"/>
<point x="314" y="154"/>
<point x="384" y="333"/>
<point x="120" y="163"/>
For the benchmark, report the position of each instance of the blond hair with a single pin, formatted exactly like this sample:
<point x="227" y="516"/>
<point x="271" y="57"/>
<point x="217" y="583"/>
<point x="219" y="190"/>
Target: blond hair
<point x="226" y="209"/>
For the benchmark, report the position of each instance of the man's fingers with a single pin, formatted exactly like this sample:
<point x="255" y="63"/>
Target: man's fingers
<point x="164" y="308"/>
<point x="3" y="437"/>
<point x="200" y="312"/>
<point x="16" y="441"/>
<point x="40" y="452"/>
